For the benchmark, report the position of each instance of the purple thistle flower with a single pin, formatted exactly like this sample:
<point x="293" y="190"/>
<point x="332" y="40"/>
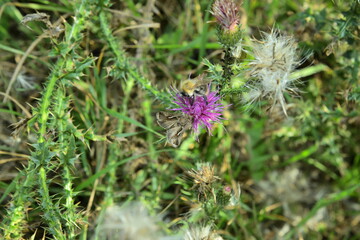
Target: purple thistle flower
<point x="203" y="110"/>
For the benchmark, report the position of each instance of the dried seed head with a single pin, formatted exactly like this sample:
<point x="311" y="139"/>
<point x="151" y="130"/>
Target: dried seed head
<point x="203" y="177"/>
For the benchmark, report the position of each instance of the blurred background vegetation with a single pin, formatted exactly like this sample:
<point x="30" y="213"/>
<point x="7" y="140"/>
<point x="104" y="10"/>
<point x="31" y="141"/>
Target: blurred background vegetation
<point x="86" y="98"/>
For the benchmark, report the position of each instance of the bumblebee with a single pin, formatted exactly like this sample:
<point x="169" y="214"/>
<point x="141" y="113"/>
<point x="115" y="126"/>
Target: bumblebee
<point x="195" y="87"/>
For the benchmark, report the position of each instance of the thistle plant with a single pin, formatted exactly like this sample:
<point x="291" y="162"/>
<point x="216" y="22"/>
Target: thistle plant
<point x="90" y="140"/>
<point x="274" y="60"/>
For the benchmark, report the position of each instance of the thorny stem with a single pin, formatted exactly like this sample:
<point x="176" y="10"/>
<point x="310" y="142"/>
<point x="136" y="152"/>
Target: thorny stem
<point x="66" y="157"/>
<point x="227" y="73"/>
<point x="50" y="215"/>
<point x="46" y="100"/>
<point x="73" y="37"/>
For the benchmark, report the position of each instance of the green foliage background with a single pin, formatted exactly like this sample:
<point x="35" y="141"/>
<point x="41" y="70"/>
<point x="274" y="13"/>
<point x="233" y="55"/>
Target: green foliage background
<point x="90" y="140"/>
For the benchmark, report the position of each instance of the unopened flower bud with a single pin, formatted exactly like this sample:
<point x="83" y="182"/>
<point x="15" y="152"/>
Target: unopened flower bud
<point x="226" y="14"/>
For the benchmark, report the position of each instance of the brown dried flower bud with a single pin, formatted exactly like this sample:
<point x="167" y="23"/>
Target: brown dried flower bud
<point x="203" y="177"/>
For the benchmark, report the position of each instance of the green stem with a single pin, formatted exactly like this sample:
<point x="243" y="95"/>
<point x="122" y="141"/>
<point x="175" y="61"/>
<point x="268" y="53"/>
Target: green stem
<point x="227" y="73"/>
<point x="50" y="215"/>
<point x="67" y="148"/>
<point x="46" y="100"/>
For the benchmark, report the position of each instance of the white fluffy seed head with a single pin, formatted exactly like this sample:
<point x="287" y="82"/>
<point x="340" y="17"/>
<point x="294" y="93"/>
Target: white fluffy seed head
<point x="275" y="58"/>
<point x="131" y="222"/>
<point x="276" y="53"/>
<point x="201" y="232"/>
<point x="252" y="95"/>
<point x="272" y="82"/>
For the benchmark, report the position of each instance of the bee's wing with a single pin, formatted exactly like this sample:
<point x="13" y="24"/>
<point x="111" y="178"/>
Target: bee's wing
<point x="201" y="79"/>
<point x="203" y="85"/>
